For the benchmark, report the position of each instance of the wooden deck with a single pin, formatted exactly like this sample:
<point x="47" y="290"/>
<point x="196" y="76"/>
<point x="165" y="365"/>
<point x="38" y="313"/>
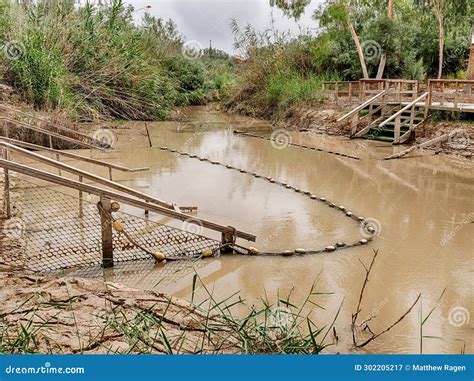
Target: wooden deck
<point x="444" y="95"/>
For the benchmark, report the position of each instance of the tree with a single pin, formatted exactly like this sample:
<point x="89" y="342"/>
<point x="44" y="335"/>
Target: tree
<point x="470" y="70"/>
<point x="383" y="57"/>
<point x="441" y="9"/>
<point x="340" y="9"/>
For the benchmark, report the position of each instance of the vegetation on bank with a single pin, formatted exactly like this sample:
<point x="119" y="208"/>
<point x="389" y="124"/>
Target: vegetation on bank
<point x="402" y="41"/>
<point x="94" y="61"/>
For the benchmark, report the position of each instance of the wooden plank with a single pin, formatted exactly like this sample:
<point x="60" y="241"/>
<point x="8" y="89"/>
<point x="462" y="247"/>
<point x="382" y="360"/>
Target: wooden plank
<point x="428" y="143"/>
<point x="362" y="106"/>
<point x="42" y="175"/>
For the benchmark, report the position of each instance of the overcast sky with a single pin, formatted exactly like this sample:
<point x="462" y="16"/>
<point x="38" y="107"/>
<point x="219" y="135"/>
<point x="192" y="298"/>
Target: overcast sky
<point x="204" y="20"/>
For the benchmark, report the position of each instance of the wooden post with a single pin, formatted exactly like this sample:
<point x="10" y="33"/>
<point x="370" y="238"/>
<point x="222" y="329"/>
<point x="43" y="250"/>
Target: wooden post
<point x="50" y="141"/>
<point x="81" y="210"/>
<point x="110" y="173"/>
<point x="228" y="238"/>
<point x="6" y="187"/>
<point x="59" y="160"/>
<point x="412" y="117"/>
<point x="354" y="123"/>
<point x="428" y="100"/>
<point x="371" y="114"/>
<point x="106" y="225"/>
<point x="442" y="93"/>
<point x="397" y="129"/>
<point x="456" y="95"/>
<point x="350" y="92"/>
<point x="336" y="92"/>
<point x="148" y="134"/>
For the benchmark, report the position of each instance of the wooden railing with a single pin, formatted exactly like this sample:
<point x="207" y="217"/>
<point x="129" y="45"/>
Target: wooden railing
<point x="349" y="91"/>
<point x="10" y="149"/>
<point x="399" y="90"/>
<point x="417" y="113"/>
<point x="452" y="93"/>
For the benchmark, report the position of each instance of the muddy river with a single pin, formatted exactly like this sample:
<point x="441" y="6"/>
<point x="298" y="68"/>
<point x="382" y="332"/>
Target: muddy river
<point x="422" y="208"/>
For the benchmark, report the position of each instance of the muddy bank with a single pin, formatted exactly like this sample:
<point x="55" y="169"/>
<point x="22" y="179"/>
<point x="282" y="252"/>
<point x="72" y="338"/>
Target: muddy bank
<point x="73" y="315"/>
<point x="323" y="120"/>
<point x="51" y="314"/>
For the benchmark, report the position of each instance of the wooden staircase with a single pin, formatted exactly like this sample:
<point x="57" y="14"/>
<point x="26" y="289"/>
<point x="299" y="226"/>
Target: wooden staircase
<point x="381" y="119"/>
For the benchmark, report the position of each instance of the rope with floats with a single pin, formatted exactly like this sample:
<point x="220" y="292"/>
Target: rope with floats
<point x="254" y="251"/>
<point x="303" y="146"/>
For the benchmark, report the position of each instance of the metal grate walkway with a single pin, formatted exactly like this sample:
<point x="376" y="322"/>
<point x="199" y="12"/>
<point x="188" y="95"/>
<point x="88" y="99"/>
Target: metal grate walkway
<point x="58" y="238"/>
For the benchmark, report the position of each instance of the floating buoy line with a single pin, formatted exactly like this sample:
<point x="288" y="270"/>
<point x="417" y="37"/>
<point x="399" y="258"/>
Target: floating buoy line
<point x="303" y="146"/>
<point x="361" y="221"/>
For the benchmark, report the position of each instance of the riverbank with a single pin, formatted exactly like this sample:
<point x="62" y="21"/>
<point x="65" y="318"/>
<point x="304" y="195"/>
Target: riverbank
<point x="74" y="315"/>
<point x="287" y="220"/>
<point x="322" y="119"/>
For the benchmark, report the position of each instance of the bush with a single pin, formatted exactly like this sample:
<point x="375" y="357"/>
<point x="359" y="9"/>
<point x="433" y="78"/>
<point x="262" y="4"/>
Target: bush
<point x="94" y="62"/>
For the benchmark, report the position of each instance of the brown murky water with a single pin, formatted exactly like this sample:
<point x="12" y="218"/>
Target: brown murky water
<point x="423" y="206"/>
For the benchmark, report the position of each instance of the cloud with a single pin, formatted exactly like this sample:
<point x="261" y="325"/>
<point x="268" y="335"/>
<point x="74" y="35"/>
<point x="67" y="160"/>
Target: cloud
<point x="205" y="20"/>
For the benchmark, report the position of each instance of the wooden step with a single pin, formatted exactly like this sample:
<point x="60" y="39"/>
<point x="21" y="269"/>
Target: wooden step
<point x="378" y="137"/>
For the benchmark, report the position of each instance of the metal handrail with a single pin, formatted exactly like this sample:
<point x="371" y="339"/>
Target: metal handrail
<point x="73" y="156"/>
<point x="51" y="133"/>
<point x="87" y="175"/>
<point x="59" y="127"/>
<point x="42" y="175"/>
